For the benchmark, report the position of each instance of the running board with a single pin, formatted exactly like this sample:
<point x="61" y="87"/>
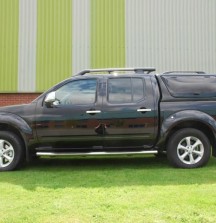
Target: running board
<point x="95" y="153"/>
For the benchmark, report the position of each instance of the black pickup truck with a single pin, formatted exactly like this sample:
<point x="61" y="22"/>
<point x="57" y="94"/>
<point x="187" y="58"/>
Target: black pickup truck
<point x="115" y="112"/>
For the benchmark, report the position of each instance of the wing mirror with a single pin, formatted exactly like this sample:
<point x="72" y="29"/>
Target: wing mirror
<point x="51" y="100"/>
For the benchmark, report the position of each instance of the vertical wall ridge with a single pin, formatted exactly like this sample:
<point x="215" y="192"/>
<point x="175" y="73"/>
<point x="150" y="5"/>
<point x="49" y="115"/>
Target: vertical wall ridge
<point x="107" y="33"/>
<point x="54" y="34"/>
<point x="9" y="18"/>
<point x="81" y="35"/>
<point x="27" y="45"/>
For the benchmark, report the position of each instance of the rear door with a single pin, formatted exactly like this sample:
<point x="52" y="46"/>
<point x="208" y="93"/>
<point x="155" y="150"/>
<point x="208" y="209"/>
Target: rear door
<point x="129" y="112"/>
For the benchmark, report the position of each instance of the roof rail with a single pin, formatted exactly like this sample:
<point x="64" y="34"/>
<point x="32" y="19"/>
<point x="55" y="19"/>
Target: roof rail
<point x="110" y="70"/>
<point x="184" y="72"/>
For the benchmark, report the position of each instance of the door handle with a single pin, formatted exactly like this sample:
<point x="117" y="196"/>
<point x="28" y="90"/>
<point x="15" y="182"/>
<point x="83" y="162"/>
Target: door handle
<point x="92" y="112"/>
<point x="144" y="109"/>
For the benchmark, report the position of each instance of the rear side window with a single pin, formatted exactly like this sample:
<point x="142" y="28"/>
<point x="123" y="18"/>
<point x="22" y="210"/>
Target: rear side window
<point x="138" y="89"/>
<point x="125" y="90"/>
<point x="191" y="85"/>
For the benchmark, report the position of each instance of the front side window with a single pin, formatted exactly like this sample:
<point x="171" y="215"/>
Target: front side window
<point x="79" y="92"/>
<point x="125" y="90"/>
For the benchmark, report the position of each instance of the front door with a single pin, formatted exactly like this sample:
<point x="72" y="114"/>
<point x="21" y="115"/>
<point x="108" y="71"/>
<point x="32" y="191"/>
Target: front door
<point x="73" y="119"/>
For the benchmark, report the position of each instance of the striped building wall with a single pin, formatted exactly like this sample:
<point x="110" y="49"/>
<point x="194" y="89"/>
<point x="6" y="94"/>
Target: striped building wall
<point x="45" y="41"/>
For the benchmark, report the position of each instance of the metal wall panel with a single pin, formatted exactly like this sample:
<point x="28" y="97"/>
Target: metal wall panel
<point x="81" y="35"/>
<point x="27" y="45"/>
<point x="107" y="33"/>
<point x="43" y="41"/>
<point x="9" y="13"/>
<point x="171" y="34"/>
<point x="54" y="42"/>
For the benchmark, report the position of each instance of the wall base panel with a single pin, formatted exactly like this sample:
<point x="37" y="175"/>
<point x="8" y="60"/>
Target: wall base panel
<point x="17" y="98"/>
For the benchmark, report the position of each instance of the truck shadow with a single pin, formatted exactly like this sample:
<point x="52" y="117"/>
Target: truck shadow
<point x="107" y="172"/>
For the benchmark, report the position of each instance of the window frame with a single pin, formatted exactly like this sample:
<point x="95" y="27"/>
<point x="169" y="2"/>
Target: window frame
<point x="132" y="91"/>
<point x="85" y="104"/>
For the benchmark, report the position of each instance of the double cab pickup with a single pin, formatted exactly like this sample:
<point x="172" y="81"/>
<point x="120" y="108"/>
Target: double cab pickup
<point x="122" y="111"/>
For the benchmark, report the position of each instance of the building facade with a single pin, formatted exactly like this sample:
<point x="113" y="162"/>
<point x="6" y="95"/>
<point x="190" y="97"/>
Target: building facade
<point x="45" y="41"/>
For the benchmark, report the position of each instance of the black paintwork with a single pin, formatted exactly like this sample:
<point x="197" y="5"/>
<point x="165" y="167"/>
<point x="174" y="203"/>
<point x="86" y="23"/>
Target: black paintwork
<point x="117" y="127"/>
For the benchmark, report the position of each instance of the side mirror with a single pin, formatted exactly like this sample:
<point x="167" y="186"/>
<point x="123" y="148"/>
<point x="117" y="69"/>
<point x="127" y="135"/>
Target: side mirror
<point x="50" y="99"/>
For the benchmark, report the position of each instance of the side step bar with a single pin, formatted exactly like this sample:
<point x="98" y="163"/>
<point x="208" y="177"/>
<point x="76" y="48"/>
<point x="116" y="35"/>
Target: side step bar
<point x="95" y="153"/>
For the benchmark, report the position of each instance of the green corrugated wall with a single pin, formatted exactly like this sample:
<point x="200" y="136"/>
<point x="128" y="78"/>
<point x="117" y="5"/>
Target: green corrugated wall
<point x="9" y="14"/>
<point x="54" y="44"/>
<point x="107" y="33"/>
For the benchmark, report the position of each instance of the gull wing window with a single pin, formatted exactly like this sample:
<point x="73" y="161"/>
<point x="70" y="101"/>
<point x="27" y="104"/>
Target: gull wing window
<point x="186" y="86"/>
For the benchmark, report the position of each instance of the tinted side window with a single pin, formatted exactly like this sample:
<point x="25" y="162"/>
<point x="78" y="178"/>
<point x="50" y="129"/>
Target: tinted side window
<point x="138" y="89"/>
<point x="77" y="92"/>
<point x="125" y="90"/>
<point x="119" y="90"/>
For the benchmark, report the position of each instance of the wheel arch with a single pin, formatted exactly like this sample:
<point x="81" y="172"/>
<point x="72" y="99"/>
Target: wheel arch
<point x="189" y="119"/>
<point x="203" y="127"/>
<point x="15" y="124"/>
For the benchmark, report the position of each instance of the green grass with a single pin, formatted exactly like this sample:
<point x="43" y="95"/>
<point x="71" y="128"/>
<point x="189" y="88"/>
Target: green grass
<point x="108" y="190"/>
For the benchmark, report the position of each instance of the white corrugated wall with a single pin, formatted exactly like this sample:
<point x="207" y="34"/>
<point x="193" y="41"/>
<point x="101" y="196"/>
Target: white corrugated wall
<point x="81" y="35"/>
<point x="171" y="34"/>
<point x="27" y="45"/>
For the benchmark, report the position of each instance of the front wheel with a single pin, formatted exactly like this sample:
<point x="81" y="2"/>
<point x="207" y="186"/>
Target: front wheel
<point x="188" y="148"/>
<point x="11" y="151"/>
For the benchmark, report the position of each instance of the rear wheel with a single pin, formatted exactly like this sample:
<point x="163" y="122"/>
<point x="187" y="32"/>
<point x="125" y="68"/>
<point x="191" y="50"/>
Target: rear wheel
<point x="188" y="148"/>
<point x="11" y="151"/>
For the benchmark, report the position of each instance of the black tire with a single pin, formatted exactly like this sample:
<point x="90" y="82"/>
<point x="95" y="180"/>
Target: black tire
<point x="188" y="148"/>
<point x="11" y="151"/>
